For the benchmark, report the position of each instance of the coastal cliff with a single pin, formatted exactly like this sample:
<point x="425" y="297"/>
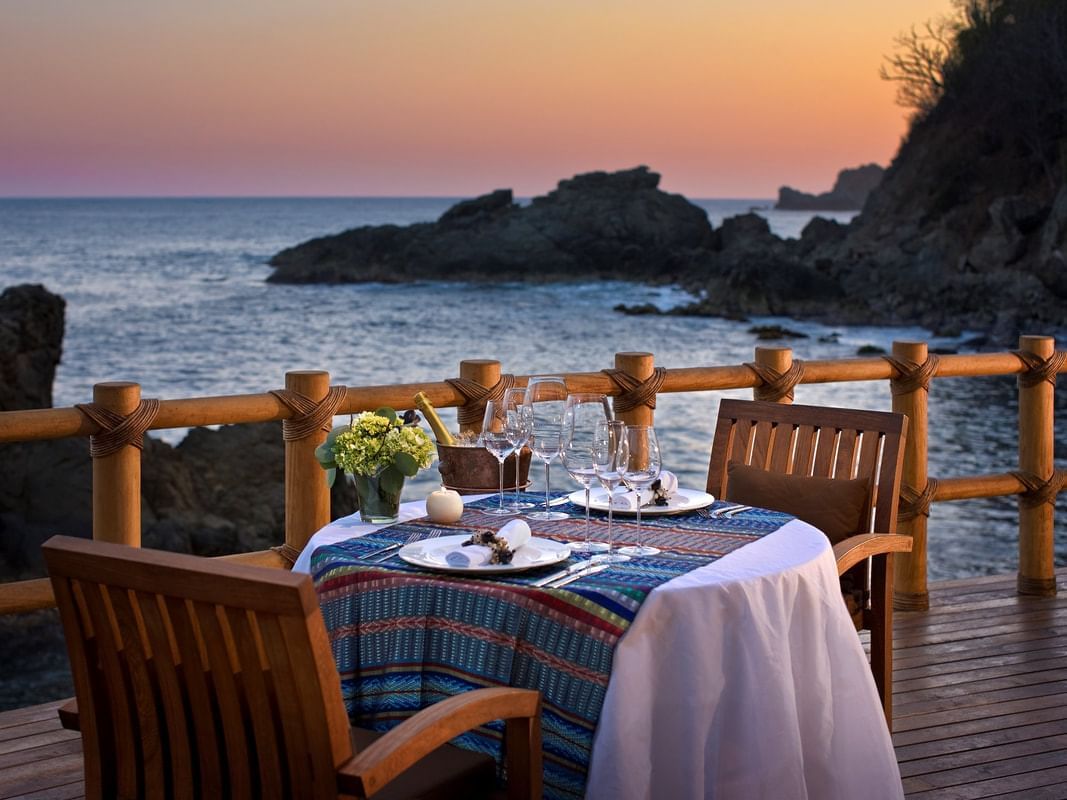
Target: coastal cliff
<point x="965" y="231"/>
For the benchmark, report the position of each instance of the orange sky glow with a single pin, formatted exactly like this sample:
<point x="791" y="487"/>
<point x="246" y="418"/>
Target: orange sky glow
<point x="454" y="98"/>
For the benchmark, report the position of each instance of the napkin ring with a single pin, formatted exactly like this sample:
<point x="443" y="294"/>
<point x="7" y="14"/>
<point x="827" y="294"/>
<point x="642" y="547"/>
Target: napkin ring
<point x="500" y="553"/>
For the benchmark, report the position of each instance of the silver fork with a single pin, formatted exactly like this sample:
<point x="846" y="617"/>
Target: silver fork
<point x="387" y="552"/>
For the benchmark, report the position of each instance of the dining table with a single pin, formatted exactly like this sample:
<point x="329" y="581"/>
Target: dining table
<point x="738" y="675"/>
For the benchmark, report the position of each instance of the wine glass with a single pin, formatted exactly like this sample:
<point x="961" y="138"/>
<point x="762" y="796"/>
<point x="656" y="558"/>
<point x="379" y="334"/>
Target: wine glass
<point x="580" y="417"/>
<point x="517" y="427"/>
<point x="494" y="438"/>
<point x="639" y="464"/>
<point x="546" y="397"/>
<point x="607" y="442"/>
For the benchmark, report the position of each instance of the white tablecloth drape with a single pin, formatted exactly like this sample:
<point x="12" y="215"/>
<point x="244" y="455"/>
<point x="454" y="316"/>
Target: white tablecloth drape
<point x="741" y="679"/>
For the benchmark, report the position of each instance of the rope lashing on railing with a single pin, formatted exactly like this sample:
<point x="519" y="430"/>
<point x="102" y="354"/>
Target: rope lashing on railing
<point x="912" y="376"/>
<point x="117" y="431"/>
<point x="1039" y="491"/>
<point x="310" y="417"/>
<point x="476" y="396"/>
<point x="776" y="385"/>
<point x="287" y="552"/>
<point x="1038" y="369"/>
<point x="913" y="503"/>
<point x="634" y="393"/>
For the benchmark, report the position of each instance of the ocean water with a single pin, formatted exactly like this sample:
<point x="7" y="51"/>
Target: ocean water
<point x="171" y="293"/>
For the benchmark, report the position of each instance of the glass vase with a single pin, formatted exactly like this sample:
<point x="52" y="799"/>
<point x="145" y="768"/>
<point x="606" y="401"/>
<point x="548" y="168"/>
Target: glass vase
<point x="378" y="504"/>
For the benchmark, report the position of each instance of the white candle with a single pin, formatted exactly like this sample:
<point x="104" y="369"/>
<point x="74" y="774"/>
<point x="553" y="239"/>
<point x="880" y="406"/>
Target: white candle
<point x="444" y="505"/>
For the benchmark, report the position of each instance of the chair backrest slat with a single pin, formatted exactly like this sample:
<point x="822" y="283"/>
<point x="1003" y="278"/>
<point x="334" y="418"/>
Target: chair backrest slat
<point x="194" y="676"/>
<point x="285" y="684"/>
<point x="846" y="453"/>
<point x="257" y="697"/>
<point x="198" y="678"/>
<point x="113" y="693"/>
<point x="171" y="695"/>
<point x="134" y="661"/>
<point x="804" y="455"/>
<point x="814" y="440"/>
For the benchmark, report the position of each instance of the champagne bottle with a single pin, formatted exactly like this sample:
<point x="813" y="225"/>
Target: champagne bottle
<point x="439" y="430"/>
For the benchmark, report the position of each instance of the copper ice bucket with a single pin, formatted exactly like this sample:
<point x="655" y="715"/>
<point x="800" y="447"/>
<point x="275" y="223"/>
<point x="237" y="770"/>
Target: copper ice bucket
<point x="474" y="470"/>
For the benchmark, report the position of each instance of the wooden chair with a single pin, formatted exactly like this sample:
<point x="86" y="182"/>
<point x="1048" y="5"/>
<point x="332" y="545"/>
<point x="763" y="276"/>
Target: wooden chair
<point x="832" y="443"/>
<point x="200" y="678"/>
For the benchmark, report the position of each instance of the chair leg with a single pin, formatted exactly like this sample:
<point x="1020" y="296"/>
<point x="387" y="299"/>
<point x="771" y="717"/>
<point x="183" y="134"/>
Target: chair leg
<point x="881" y="626"/>
<point x="522" y="743"/>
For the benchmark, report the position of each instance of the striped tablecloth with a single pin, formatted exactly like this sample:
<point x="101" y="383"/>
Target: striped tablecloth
<point x="405" y="638"/>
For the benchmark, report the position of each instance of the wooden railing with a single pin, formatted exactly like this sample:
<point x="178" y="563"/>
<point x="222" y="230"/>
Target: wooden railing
<point x="117" y="476"/>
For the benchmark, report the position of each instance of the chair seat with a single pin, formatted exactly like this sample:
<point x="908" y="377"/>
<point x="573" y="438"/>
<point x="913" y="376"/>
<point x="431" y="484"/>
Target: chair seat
<point x="445" y="774"/>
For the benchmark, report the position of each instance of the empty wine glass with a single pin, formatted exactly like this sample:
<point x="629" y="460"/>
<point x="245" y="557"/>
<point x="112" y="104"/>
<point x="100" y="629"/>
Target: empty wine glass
<point x="518" y="430"/>
<point x="639" y="464"/>
<point x="581" y="415"/>
<point x="546" y="397"/>
<point x="494" y="438"/>
<point x="607" y="441"/>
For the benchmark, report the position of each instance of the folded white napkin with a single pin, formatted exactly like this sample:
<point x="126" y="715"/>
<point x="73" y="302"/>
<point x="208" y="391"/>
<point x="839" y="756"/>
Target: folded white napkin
<point x="627" y="501"/>
<point x="516" y="533"/>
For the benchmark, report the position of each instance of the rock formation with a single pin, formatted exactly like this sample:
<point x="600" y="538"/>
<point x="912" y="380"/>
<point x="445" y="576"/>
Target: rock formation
<point x="849" y="193"/>
<point x="219" y="491"/>
<point x="31" y="343"/>
<point x="966" y="230"/>
<point x="594" y="225"/>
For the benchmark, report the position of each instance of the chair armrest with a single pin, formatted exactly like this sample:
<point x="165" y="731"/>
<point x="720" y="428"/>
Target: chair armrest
<point x="68" y="715"/>
<point x="368" y="771"/>
<point x="851" y="551"/>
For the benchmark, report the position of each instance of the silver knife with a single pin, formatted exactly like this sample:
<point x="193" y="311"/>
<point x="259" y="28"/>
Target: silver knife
<point x="593" y="570"/>
<point x="563" y="573"/>
<point x="733" y="512"/>
<point x="386" y="549"/>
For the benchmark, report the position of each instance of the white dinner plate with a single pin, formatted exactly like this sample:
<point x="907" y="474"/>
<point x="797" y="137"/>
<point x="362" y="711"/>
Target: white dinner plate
<point x="432" y="554"/>
<point x="682" y="501"/>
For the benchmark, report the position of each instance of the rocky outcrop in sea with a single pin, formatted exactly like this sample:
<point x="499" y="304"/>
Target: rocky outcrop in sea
<point x="594" y="225"/>
<point x="849" y="193"/>
<point x="217" y="492"/>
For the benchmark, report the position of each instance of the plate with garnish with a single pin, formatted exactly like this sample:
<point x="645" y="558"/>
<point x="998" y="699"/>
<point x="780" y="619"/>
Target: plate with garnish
<point x="681" y="502"/>
<point x="457" y="554"/>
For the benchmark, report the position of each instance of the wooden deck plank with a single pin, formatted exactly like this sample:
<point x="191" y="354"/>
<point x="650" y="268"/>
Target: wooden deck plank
<point x="983" y="755"/>
<point x="70" y="791"/>
<point x="902" y="710"/>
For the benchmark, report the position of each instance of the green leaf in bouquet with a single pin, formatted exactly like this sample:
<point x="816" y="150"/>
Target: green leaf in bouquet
<point x="331" y="476"/>
<point x="406" y="463"/>
<point x="331" y="437"/>
<point x="324" y="455"/>
<point x="391" y="480"/>
<point x="388" y="413"/>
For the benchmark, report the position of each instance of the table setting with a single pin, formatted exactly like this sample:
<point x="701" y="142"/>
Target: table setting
<point x="652" y="617"/>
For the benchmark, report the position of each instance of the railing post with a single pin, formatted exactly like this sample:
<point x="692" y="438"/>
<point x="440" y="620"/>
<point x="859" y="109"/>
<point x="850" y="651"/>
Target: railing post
<point x="117" y="477"/>
<point x="639" y="366"/>
<point x="485" y="371"/>
<point x="910" y="590"/>
<point x="1036" y="404"/>
<point x="307" y="498"/>
<point x="777" y="360"/>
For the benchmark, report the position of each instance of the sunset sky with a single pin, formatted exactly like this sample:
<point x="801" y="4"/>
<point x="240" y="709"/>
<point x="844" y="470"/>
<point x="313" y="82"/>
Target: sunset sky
<point x="441" y="97"/>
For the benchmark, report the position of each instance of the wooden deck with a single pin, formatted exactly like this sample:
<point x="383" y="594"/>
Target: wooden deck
<point x="980" y="694"/>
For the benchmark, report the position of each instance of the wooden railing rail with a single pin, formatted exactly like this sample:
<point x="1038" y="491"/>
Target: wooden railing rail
<point x="61" y="423"/>
<point x="116" y="477"/>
